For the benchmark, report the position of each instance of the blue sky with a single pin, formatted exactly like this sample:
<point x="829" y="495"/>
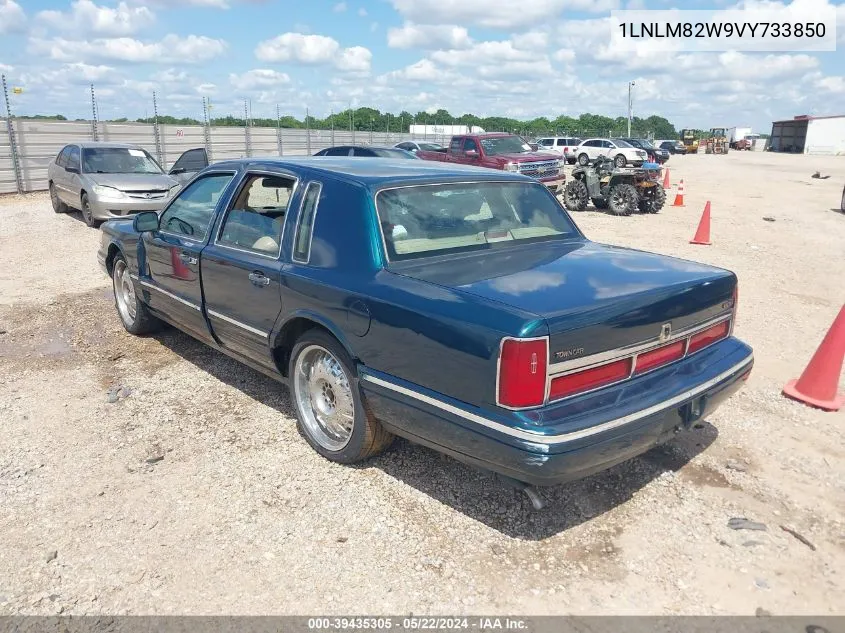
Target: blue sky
<point x="519" y="58"/>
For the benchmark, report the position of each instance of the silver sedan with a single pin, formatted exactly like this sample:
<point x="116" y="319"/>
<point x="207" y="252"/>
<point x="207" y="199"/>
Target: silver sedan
<point x="108" y="180"/>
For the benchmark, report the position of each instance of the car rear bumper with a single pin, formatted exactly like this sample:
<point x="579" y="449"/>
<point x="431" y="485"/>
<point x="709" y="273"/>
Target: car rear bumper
<point x="107" y="209"/>
<point x="572" y="439"/>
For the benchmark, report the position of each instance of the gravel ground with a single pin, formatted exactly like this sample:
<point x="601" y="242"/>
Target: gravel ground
<point x="193" y="493"/>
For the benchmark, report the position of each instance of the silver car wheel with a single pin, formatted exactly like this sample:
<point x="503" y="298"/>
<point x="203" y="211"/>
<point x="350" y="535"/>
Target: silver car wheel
<point x="124" y="292"/>
<point x="324" y="398"/>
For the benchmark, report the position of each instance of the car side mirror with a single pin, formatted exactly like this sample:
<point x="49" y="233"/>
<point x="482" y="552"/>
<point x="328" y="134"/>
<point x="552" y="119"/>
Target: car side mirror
<point x="177" y="170"/>
<point x="72" y="170"/>
<point x="145" y="221"/>
<point x="471" y="153"/>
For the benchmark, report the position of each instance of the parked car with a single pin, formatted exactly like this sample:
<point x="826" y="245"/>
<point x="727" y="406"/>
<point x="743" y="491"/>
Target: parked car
<point x="507" y="152"/>
<point x="562" y="145"/>
<point x="673" y="147"/>
<point x="621" y="152"/>
<point x="458" y="307"/>
<point x="415" y="146"/>
<point x="107" y="180"/>
<point x="369" y="151"/>
<point x="655" y="154"/>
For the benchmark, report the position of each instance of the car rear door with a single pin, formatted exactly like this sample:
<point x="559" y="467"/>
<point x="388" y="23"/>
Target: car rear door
<point x="170" y="276"/>
<point x="241" y="267"/>
<point x="59" y="175"/>
<point x="72" y="183"/>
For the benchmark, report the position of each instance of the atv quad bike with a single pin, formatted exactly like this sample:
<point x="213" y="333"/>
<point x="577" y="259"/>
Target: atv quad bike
<point x="623" y="190"/>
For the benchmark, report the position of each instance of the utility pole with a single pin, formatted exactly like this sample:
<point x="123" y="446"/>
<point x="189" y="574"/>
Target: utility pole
<point x="331" y="119"/>
<point x="206" y="128"/>
<point x="279" y="129"/>
<point x="630" y="107"/>
<point x="352" y="122"/>
<point x="307" y="133"/>
<point x="156" y="134"/>
<point x="13" y="146"/>
<point x="94" y="132"/>
<point x="247" y="134"/>
<point x="372" y="124"/>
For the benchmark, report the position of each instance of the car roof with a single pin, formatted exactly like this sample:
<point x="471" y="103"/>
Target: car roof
<point x="374" y="172"/>
<point x="106" y="144"/>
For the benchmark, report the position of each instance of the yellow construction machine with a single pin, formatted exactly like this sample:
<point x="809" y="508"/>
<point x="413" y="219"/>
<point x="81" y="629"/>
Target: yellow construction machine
<point x="717" y="142"/>
<point x="690" y="141"/>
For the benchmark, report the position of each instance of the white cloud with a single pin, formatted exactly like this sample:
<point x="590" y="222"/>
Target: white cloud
<point x="213" y="4"/>
<point x="313" y="49"/>
<point x="86" y="17"/>
<point x="499" y="14"/>
<point x="6" y="68"/>
<point x="373" y="27"/>
<point x="834" y="84"/>
<point x="206" y="89"/>
<point x="258" y="78"/>
<point x="12" y="17"/>
<point x="170" y="75"/>
<point x="428" y="36"/>
<point x="362" y="12"/>
<point x="170" y="49"/>
<point x="355" y="59"/>
<point x="485" y="53"/>
<point x="340" y="7"/>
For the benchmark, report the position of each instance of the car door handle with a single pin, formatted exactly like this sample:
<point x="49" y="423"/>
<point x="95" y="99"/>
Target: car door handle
<point x="187" y="258"/>
<point x="259" y="279"/>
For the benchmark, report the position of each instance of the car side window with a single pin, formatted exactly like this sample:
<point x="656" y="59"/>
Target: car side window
<point x="73" y="157"/>
<point x="256" y="217"/>
<point x="337" y="151"/>
<point x="192" y="160"/>
<point x="593" y="144"/>
<point x="608" y="144"/>
<point x="360" y="151"/>
<point x="470" y="144"/>
<point x="61" y="159"/>
<point x="305" y="223"/>
<point x="455" y="145"/>
<point x="191" y="212"/>
<point x="561" y="141"/>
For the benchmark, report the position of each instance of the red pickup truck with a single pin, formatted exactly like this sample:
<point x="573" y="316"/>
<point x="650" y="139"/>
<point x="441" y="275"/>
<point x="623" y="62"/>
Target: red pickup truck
<point x="502" y="151"/>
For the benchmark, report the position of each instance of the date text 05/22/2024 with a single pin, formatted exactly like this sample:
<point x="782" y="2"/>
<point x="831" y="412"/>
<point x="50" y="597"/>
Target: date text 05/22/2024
<point x="417" y="623"/>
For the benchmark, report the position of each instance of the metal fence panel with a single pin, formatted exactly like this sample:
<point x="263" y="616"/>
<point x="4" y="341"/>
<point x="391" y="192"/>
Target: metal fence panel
<point x="7" y="172"/>
<point x="176" y="139"/>
<point x="38" y="144"/>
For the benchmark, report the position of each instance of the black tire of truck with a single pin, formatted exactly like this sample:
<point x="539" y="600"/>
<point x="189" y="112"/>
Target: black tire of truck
<point x="653" y="199"/>
<point x="134" y="314"/>
<point x="368" y="437"/>
<point x="575" y="195"/>
<point x="622" y="199"/>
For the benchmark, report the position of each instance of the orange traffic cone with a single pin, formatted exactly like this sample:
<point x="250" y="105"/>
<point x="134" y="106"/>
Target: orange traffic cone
<point x="702" y="235"/>
<point x="817" y="385"/>
<point x="679" y="196"/>
<point x="666" y="183"/>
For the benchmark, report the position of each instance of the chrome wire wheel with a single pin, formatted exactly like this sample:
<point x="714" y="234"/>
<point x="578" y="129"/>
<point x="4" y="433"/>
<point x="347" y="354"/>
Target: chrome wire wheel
<point x="124" y="292"/>
<point x="324" y="398"/>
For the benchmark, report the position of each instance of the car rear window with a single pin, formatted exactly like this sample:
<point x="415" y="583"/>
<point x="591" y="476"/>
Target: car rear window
<point x="425" y="220"/>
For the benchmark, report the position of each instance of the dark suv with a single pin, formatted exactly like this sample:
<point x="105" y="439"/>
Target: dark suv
<point x="655" y="154"/>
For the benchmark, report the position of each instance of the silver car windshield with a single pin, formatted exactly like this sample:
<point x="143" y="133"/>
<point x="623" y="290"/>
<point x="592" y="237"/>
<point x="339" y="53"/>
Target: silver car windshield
<point x="118" y="160"/>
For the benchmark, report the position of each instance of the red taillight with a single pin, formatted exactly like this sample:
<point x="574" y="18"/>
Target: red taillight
<point x="659" y="356"/>
<point x="708" y="336"/>
<point x="590" y="378"/>
<point x="522" y="372"/>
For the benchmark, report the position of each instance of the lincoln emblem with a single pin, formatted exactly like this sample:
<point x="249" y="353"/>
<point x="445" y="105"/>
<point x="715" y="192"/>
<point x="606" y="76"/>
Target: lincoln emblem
<point x="665" y="331"/>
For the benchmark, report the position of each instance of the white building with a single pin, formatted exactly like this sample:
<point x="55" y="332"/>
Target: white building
<point x="806" y="134"/>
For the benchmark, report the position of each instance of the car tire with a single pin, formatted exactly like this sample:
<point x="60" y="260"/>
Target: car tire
<point x="620" y="160"/>
<point x="134" y="314"/>
<point x="58" y="205"/>
<point x="622" y="199"/>
<point x="325" y="391"/>
<point x="87" y="214"/>
<point x="583" y="160"/>
<point x="575" y="195"/>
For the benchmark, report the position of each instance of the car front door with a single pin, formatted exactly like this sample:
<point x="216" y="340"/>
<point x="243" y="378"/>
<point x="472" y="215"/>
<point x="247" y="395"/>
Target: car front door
<point x="170" y="276"/>
<point x="471" y="146"/>
<point x="241" y="267"/>
<point x="594" y="148"/>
